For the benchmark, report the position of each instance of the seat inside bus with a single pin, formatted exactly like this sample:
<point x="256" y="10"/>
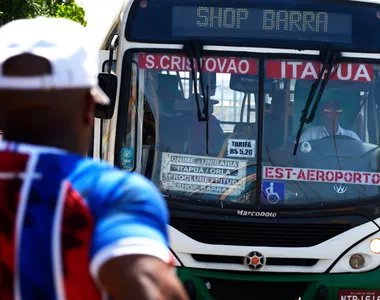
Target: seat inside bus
<point x="241" y="131"/>
<point x="245" y="130"/>
<point x="168" y="89"/>
<point x="181" y="130"/>
<point x="275" y="125"/>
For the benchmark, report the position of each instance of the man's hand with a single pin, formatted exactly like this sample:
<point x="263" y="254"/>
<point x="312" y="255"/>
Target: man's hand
<point x="140" y="277"/>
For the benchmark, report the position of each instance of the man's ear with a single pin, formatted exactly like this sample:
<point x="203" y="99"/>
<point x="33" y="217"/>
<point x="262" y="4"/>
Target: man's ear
<point x="88" y="113"/>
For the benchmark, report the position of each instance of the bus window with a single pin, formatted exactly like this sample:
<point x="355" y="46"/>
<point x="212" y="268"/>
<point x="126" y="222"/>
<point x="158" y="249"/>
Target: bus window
<point x="172" y="130"/>
<point x="342" y="136"/>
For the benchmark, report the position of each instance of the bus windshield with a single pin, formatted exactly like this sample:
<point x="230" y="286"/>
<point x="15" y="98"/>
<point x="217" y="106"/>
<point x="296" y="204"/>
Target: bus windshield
<point x="216" y="160"/>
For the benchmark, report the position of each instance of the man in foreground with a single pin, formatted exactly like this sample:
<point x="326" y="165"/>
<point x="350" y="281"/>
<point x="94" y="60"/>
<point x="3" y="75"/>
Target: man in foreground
<point x="70" y="227"/>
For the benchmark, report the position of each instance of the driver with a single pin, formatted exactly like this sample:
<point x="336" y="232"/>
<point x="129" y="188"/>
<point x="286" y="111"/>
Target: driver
<point x="331" y="111"/>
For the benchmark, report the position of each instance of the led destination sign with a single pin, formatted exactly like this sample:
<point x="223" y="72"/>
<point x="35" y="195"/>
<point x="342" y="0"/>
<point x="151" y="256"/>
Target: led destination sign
<point x="261" y="23"/>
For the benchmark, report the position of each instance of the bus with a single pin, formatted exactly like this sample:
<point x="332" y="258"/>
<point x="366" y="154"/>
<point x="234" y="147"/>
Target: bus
<point x="258" y="121"/>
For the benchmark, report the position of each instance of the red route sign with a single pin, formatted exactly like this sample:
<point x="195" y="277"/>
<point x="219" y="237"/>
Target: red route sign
<point x="311" y="71"/>
<point x="274" y="68"/>
<point x="168" y="62"/>
<point x="321" y="175"/>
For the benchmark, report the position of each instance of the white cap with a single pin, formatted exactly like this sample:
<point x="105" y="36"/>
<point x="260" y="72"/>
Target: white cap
<point x="64" y="43"/>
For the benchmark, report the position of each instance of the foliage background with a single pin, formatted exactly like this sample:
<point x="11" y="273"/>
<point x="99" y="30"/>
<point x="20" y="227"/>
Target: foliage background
<point x="20" y="9"/>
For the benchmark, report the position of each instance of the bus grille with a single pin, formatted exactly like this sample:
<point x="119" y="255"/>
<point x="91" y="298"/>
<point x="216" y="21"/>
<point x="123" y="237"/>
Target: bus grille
<point x="220" y="232"/>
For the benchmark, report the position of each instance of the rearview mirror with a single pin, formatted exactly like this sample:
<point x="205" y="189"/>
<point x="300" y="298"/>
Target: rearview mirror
<point x="108" y="83"/>
<point x="106" y="66"/>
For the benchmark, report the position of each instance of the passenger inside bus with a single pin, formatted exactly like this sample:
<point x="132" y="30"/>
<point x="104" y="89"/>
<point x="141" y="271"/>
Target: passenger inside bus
<point x="197" y="136"/>
<point x="171" y="133"/>
<point x="331" y="111"/>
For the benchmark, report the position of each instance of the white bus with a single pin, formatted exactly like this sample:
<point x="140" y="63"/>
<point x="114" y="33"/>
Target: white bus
<point x="259" y="123"/>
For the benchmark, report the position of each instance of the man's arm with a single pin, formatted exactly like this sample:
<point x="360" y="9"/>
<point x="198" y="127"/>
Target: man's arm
<point x="353" y="134"/>
<point x="140" y="277"/>
<point x="130" y="254"/>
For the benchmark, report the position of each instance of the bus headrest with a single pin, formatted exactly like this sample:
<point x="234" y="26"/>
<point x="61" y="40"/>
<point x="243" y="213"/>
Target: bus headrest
<point x="167" y="87"/>
<point x="248" y="129"/>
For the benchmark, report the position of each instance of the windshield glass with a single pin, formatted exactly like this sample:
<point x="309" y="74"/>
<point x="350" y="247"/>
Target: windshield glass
<point x="215" y="160"/>
<point x="337" y="157"/>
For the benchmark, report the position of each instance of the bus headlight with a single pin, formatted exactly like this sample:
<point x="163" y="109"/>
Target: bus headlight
<point x="374" y="246"/>
<point x="357" y="261"/>
<point x="360" y="258"/>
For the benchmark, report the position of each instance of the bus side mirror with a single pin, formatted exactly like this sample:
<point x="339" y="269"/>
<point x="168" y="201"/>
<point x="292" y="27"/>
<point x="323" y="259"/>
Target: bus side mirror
<point x="108" y="83"/>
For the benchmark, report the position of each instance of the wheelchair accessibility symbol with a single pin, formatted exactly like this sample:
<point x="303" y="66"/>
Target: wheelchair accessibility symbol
<point x="127" y="158"/>
<point x="273" y="192"/>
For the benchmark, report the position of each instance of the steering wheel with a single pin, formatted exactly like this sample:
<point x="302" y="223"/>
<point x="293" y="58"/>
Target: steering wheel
<point x="324" y="141"/>
<point x="309" y="151"/>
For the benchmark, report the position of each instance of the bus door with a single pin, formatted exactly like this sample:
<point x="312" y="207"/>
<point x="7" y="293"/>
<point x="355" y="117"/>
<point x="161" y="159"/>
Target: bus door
<point x="100" y="135"/>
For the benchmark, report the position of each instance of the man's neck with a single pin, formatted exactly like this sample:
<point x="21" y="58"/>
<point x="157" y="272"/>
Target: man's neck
<point x="337" y="130"/>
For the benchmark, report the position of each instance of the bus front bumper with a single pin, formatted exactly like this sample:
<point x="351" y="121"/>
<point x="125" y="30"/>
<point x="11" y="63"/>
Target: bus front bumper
<point x="227" y="285"/>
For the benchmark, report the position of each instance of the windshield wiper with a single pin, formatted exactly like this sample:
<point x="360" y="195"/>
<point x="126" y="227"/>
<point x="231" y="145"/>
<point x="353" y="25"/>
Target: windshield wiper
<point x="328" y="64"/>
<point x="192" y="51"/>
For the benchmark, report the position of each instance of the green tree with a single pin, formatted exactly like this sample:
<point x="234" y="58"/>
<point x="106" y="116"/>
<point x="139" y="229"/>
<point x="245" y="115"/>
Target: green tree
<point x="19" y="9"/>
<point x="72" y="11"/>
